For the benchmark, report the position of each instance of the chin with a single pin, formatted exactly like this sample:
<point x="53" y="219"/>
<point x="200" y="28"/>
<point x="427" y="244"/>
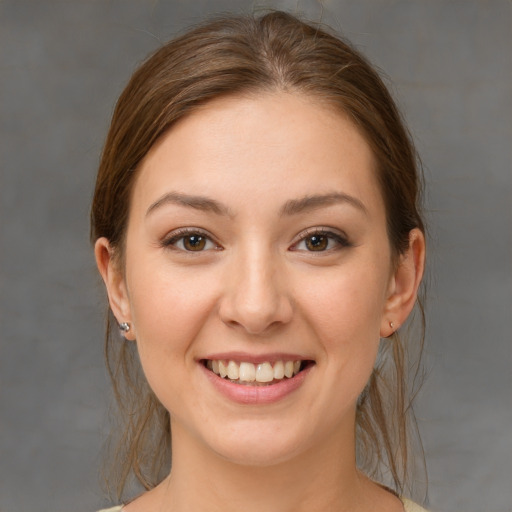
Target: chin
<point x="255" y="456"/>
<point x="259" y="446"/>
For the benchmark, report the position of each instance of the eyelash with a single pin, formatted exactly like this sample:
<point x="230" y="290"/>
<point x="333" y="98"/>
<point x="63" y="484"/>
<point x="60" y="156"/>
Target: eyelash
<point x="340" y="240"/>
<point x="181" y="234"/>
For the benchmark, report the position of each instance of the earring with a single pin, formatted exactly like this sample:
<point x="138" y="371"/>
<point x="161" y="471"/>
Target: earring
<point x="392" y="325"/>
<point x="124" y="327"/>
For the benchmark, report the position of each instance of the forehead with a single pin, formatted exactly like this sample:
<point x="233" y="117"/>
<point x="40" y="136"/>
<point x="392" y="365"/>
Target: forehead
<point x="267" y="145"/>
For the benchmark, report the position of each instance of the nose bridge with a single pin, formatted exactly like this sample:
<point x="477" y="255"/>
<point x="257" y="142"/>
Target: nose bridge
<point x="256" y="296"/>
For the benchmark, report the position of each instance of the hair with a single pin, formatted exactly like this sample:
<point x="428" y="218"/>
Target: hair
<point x="233" y="55"/>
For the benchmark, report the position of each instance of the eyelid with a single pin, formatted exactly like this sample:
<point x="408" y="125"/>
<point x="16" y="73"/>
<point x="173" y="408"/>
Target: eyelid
<point x="339" y="236"/>
<point x="171" y="238"/>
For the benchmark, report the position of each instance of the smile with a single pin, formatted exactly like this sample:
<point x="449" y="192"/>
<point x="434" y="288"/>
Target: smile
<point x="256" y="380"/>
<point x="260" y="374"/>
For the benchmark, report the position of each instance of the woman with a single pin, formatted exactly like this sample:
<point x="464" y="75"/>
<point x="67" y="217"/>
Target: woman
<point x="256" y="225"/>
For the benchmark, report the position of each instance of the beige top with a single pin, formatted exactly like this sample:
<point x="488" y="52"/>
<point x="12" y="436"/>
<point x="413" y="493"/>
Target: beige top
<point x="409" y="506"/>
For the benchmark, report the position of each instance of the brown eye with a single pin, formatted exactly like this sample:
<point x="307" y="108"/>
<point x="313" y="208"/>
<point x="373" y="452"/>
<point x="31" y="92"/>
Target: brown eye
<point x="317" y="242"/>
<point x="321" y="241"/>
<point x="190" y="241"/>
<point x="194" y="242"/>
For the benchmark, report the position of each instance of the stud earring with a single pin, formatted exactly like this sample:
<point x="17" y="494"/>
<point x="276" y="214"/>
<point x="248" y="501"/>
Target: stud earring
<point x="392" y="325"/>
<point x="124" y="327"/>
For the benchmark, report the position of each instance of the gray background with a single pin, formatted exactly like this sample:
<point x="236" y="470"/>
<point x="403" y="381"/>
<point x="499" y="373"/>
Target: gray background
<point x="62" y="65"/>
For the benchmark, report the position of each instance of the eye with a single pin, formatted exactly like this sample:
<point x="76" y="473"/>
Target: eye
<point x="190" y="241"/>
<point x="320" y="241"/>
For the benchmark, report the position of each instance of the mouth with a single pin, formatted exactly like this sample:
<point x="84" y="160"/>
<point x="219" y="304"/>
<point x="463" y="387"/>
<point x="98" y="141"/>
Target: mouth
<point x="265" y="373"/>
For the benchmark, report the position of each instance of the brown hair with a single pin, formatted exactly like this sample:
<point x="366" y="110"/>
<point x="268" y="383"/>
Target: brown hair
<point x="247" y="54"/>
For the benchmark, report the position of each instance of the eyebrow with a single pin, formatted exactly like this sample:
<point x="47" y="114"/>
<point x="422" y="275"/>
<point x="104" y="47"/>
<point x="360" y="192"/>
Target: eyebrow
<point x="201" y="203"/>
<point x="308" y="203"/>
<point x="291" y="207"/>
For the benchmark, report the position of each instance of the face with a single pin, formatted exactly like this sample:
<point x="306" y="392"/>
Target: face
<point x="258" y="276"/>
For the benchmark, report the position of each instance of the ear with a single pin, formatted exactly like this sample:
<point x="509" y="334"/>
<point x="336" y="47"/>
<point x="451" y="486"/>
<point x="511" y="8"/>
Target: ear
<point x="404" y="284"/>
<point x="114" y="280"/>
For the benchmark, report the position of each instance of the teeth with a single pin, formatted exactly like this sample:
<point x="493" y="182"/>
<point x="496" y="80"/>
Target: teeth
<point x="288" y="369"/>
<point x="279" y="370"/>
<point x="223" y="371"/>
<point x="248" y="372"/>
<point x="232" y="370"/>
<point x="264" y="373"/>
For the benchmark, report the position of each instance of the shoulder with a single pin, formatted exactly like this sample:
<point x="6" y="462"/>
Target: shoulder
<point x="410" y="506"/>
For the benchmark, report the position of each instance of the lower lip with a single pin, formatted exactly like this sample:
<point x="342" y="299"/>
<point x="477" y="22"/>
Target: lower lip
<point x="256" y="395"/>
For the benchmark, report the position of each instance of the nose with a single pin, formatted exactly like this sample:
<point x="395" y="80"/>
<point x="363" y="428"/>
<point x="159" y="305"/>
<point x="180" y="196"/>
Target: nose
<point x="256" y="297"/>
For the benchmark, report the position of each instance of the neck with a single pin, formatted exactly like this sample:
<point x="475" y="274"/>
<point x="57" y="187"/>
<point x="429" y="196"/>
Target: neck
<point x="321" y="478"/>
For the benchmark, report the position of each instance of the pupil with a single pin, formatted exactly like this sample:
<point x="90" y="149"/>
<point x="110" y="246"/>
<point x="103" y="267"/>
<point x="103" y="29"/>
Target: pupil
<point x="194" y="242"/>
<point x="317" y="243"/>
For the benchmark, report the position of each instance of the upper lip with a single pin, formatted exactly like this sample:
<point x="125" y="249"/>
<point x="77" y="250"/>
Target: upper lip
<point x="256" y="358"/>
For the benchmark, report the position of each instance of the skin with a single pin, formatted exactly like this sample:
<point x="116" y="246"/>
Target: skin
<point x="258" y="288"/>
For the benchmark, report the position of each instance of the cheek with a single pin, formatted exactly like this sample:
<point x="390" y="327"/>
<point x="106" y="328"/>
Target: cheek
<point x="168" y="309"/>
<point x="344" y="312"/>
<point x="346" y="306"/>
